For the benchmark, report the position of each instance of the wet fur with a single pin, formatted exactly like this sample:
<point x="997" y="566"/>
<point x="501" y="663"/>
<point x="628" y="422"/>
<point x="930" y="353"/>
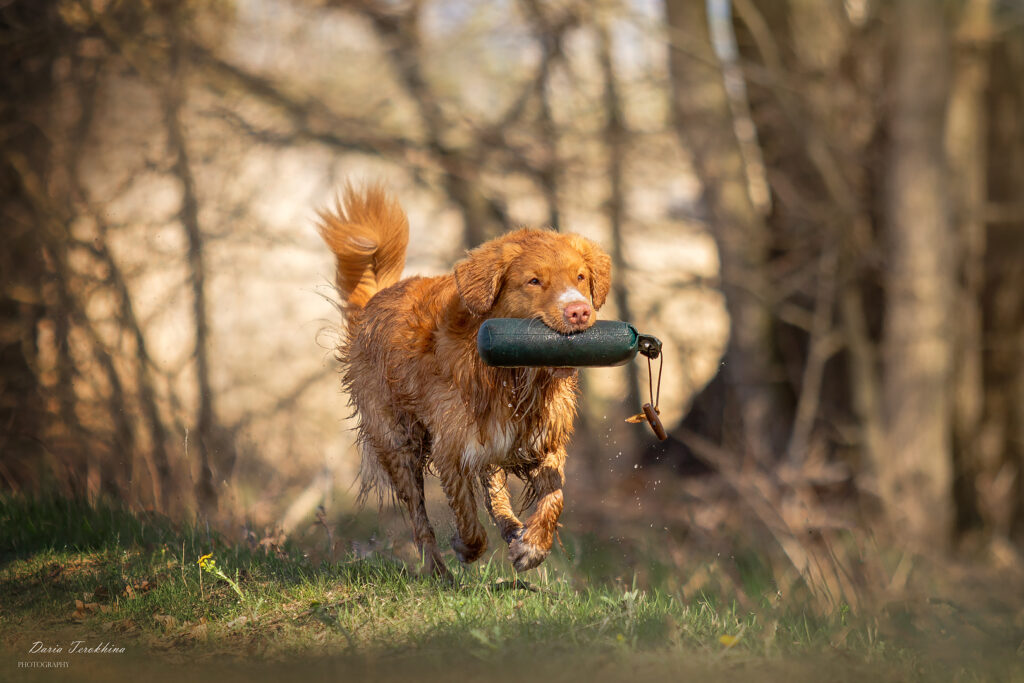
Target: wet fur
<point x="425" y="400"/>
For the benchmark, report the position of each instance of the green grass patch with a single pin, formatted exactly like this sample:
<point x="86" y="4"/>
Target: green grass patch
<point x="69" y="566"/>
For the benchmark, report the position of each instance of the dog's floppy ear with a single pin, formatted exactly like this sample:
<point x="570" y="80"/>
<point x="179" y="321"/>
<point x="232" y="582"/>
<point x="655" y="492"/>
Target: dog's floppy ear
<point x="600" y="266"/>
<point x="478" y="276"/>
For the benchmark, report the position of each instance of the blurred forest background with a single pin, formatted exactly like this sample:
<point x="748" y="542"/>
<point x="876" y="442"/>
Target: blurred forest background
<point x="817" y="204"/>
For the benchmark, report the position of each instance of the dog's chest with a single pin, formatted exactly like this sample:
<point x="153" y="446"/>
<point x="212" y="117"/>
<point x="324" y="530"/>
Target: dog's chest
<point x="504" y="443"/>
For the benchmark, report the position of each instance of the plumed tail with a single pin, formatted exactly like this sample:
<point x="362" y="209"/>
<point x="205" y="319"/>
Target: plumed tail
<point x="368" y="232"/>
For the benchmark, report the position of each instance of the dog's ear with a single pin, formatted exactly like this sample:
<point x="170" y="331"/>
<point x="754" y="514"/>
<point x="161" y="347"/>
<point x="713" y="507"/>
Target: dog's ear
<point x="600" y="266"/>
<point x="478" y="277"/>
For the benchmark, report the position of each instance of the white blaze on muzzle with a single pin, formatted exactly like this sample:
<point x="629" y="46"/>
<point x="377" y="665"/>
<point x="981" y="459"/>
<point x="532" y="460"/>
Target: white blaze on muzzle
<point x="570" y="295"/>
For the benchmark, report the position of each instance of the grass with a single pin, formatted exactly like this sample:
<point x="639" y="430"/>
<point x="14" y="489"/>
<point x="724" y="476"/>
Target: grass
<point x="98" y="572"/>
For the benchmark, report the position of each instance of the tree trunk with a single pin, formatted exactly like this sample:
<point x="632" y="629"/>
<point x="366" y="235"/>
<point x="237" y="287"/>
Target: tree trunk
<point x="550" y="39"/>
<point x="34" y="36"/>
<point x="615" y="134"/>
<point x="483" y="217"/>
<point x="915" y="481"/>
<point x="1000" y="448"/>
<point x="174" y="97"/>
<point x="704" y="123"/>
<point x="966" y="138"/>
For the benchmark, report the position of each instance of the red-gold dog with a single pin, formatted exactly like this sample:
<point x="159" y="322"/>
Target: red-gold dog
<point x="423" y="395"/>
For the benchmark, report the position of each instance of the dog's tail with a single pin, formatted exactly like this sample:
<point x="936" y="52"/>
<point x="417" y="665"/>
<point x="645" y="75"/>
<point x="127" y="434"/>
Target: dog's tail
<point x="368" y="233"/>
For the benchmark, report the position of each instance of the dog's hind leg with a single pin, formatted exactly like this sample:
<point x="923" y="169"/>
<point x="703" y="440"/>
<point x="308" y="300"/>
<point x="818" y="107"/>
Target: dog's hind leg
<point x="401" y="447"/>
<point x="406" y="474"/>
<point x="471" y="540"/>
<point x="499" y="504"/>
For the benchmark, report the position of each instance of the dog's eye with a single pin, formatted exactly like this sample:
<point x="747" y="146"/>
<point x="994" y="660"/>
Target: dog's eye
<point x="533" y="281"/>
<point x="581" y="277"/>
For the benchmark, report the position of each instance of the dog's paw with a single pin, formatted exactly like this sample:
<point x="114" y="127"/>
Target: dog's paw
<point x="433" y="565"/>
<point x="468" y="552"/>
<point x="525" y="555"/>
<point x="510" y="534"/>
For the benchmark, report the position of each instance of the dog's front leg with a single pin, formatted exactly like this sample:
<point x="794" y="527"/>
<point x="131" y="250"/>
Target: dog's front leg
<point x="529" y="550"/>
<point x="499" y="504"/>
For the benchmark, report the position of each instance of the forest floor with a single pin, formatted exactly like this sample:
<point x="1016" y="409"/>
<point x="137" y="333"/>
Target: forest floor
<point x="133" y="585"/>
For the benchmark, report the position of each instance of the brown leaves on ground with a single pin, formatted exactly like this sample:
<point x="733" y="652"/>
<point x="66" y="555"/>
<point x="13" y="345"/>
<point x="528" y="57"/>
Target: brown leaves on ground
<point x="175" y="633"/>
<point x="87" y="609"/>
<point x="136" y="588"/>
<point x="199" y="631"/>
<point x="120" y="625"/>
<point x="55" y="572"/>
<point x="91" y="602"/>
<point x="165" y="620"/>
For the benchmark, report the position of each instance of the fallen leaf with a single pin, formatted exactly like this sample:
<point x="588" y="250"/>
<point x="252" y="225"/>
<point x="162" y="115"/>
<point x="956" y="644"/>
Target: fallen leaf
<point x="166" y="620"/>
<point x="240" y="621"/>
<point x="120" y="625"/>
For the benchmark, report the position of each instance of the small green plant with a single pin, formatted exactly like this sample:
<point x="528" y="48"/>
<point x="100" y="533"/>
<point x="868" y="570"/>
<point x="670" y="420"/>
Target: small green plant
<point x="208" y="564"/>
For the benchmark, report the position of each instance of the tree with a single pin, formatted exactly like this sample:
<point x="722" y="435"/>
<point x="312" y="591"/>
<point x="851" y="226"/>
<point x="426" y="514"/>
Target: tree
<point x="33" y="33"/>
<point x="915" y="479"/>
<point x="703" y="119"/>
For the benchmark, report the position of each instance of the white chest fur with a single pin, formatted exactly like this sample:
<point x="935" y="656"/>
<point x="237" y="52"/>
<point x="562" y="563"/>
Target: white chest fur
<point x="503" y="444"/>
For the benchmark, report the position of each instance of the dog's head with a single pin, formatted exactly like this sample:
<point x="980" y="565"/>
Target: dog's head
<point x="561" y="279"/>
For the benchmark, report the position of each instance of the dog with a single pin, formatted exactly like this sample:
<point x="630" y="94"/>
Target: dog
<point x="424" y="398"/>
